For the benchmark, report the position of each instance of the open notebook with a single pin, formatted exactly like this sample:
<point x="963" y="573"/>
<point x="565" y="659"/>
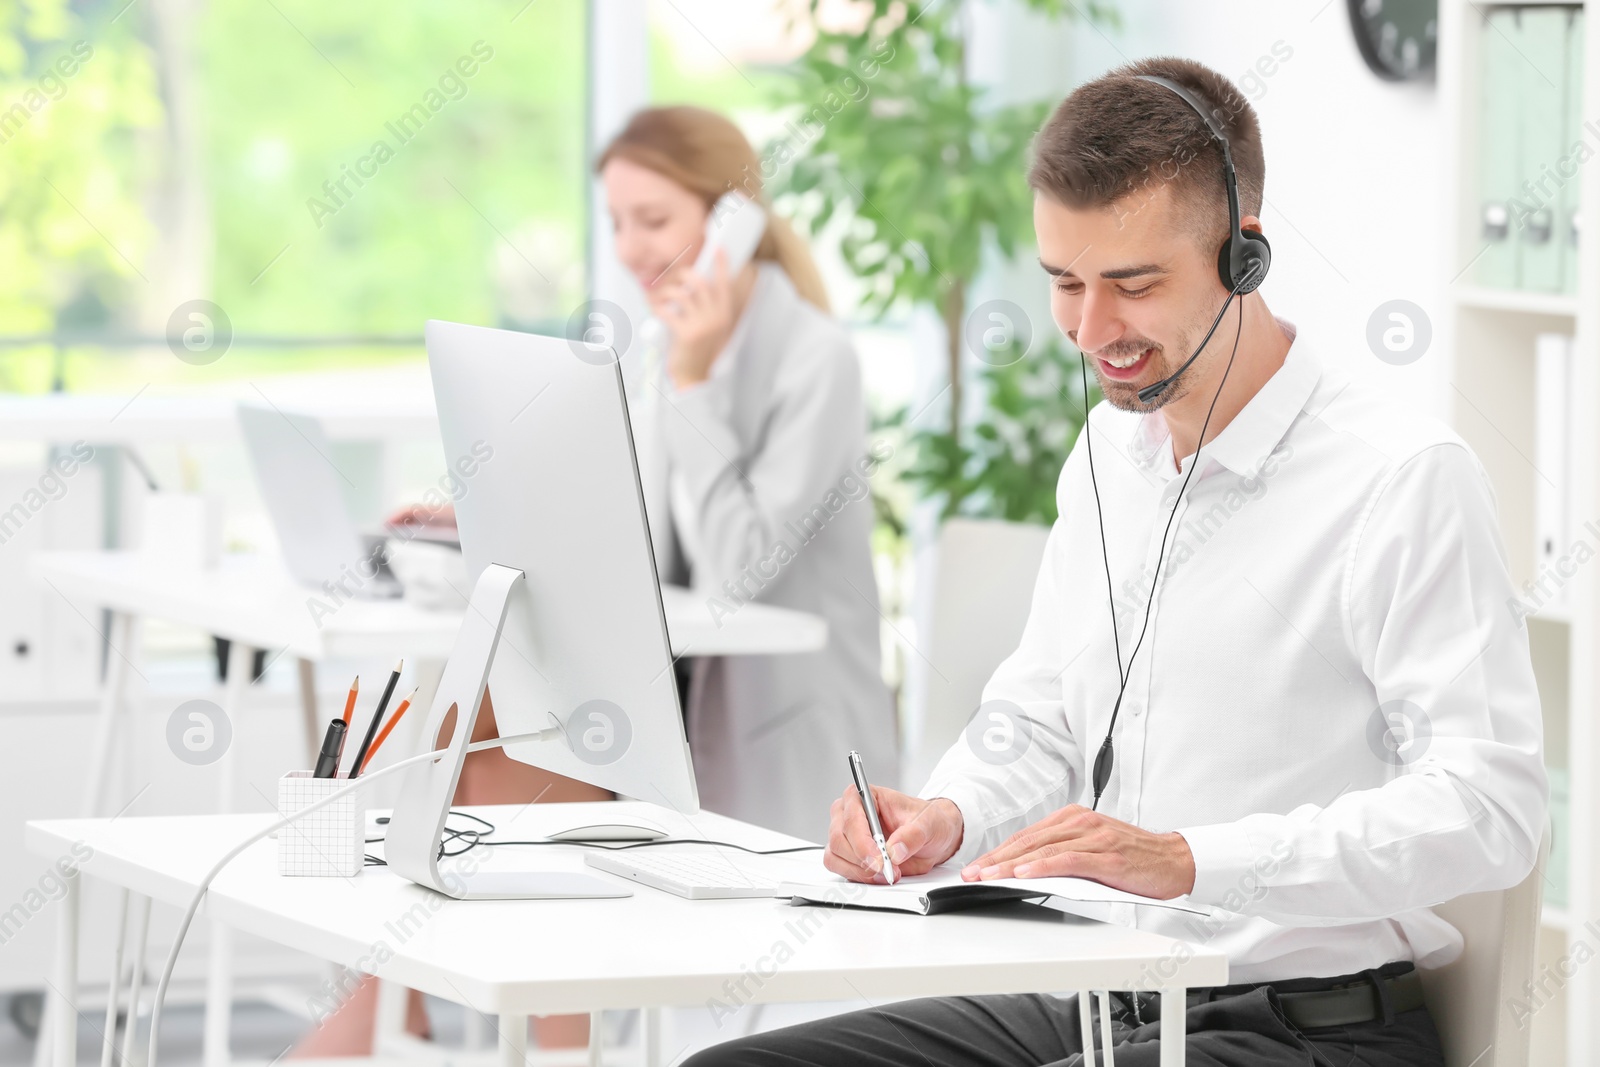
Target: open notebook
<point x="942" y="889"/>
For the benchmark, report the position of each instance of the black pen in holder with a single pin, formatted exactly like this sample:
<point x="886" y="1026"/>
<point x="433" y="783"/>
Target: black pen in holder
<point x="332" y="745"/>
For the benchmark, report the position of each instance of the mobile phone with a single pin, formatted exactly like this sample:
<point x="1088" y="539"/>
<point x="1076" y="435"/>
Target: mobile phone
<point x="736" y="224"/>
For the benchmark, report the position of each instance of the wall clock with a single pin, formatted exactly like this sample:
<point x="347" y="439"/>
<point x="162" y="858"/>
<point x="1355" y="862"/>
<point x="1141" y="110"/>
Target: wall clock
<point x="1398" y="38"/>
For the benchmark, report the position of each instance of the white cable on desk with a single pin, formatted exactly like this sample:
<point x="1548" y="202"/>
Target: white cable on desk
<point x="205" y="883"/>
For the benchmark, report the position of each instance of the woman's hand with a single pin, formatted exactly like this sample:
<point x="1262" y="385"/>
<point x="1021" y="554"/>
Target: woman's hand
<point x="1081" y="843"/>
<point x="701" y="313"/>
<point x="921" y="835"/>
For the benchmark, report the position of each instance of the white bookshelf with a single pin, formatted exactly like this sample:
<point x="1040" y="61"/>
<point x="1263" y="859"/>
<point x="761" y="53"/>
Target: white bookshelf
<point x="1563" y="305"/>
<point x="1489" y="340"/>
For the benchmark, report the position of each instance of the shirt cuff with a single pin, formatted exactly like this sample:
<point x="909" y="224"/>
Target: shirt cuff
<point x="966" y="800"/>
<point x="1222" y="857"/>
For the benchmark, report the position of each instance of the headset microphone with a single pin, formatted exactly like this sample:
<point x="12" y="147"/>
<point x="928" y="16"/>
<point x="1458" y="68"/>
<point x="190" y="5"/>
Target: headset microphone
<point x="1242" y="264"/>
<point x="1151" y="392"/>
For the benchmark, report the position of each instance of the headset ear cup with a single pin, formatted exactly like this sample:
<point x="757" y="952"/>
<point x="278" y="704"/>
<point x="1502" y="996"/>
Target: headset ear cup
<point x="1254" y="246"/>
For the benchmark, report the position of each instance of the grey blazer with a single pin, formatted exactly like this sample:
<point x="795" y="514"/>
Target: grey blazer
<point x="774" y="458"/>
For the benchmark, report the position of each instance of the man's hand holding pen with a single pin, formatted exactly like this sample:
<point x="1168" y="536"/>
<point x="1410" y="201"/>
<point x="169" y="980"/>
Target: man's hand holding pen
<point x="921" y="835"/>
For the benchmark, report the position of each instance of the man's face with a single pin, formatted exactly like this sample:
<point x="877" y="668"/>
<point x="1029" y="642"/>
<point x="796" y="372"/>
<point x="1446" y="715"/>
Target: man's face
<point x="1133" y="289"/>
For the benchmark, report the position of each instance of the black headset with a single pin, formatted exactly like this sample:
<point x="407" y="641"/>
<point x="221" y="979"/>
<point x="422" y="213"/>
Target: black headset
<point x="1244" y="257"/>
<point x="1242" y="264"/>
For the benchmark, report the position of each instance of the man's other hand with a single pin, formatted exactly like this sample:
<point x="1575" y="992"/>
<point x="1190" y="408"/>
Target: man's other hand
<point x="1079" y="843"/>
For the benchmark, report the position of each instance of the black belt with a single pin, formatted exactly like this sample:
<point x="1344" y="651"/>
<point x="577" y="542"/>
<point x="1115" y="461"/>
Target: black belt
<point x="1343" y="1005"/>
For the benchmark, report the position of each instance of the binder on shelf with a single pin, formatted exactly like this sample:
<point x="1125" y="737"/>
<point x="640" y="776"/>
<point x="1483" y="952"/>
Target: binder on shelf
<point x="1541" y="107"/>
<point x="1559" y="866"/>
<point x="1552" y="393"/>
<point x="1499" y="149"/>
<point x="1576" y="136"/>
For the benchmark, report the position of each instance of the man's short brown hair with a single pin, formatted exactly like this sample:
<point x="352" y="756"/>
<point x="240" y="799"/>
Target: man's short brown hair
<point x="1118" y="137"/>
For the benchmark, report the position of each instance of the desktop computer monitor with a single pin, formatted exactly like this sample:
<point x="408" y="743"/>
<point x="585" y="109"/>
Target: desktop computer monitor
<point x="538" y="445"/>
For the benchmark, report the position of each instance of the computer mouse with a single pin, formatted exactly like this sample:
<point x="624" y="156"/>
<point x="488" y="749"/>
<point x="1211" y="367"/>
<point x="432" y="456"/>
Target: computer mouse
<point x="611" y="831"/>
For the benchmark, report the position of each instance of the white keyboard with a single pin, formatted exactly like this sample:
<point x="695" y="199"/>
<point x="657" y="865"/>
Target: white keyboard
<point x="706" y="874"/>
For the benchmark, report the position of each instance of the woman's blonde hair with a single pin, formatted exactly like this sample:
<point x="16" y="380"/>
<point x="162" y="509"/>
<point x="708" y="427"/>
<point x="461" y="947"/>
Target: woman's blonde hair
<point x="708" y="155"/>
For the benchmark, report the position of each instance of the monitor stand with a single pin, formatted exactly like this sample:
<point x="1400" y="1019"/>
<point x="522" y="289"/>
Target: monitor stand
<point x="416" y="826"/>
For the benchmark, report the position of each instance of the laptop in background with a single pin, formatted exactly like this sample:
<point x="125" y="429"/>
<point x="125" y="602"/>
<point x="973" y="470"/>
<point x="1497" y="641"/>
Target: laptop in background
<point x="293" y="463"/>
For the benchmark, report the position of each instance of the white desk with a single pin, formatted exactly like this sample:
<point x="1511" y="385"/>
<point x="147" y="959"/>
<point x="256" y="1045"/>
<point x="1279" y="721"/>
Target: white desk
<point x="650" y="950"/>
<point x="254" y="603"/>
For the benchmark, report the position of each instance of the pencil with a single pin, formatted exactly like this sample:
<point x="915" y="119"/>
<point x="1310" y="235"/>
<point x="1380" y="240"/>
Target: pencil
<point x="377" y="717"/>
<point x="350" y="701"/>
<point x="382" y="734"/>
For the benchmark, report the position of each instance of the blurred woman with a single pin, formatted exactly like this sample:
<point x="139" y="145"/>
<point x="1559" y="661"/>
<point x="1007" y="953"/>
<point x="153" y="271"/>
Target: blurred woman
<point x="753" y="452"/>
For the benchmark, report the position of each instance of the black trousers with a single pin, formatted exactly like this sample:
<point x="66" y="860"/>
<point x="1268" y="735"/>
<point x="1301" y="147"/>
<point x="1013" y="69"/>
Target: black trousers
<point x="1227" y="1026"/>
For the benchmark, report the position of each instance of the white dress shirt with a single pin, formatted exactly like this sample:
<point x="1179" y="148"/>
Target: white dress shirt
<point x="1334" y="703"/>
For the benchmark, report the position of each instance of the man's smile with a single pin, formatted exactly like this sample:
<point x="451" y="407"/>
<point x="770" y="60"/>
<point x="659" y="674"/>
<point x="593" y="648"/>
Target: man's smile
<point x="1123" y="366"/>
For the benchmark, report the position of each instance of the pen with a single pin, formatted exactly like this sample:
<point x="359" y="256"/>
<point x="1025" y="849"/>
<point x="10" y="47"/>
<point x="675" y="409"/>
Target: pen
<point x="870" y="805"/>
<point x="377" y="716"/>
<point x="332" y="744"/>
<point x="390" y="725"/>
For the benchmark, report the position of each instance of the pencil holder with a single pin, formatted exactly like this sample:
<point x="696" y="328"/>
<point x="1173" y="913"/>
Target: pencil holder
<point x="328" y="843"/>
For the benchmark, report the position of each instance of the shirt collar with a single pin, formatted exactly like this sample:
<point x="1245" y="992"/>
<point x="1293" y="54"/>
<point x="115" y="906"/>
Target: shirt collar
<point x="1250" y="438"/>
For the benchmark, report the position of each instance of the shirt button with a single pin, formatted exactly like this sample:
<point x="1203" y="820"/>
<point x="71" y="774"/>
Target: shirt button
<point x="1136" y="711"/>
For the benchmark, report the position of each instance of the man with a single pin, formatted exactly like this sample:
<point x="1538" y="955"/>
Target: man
<point x="1329" y="721"/>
